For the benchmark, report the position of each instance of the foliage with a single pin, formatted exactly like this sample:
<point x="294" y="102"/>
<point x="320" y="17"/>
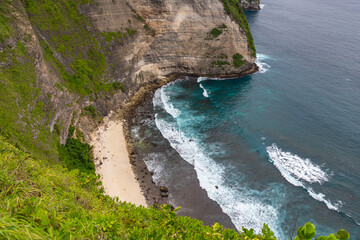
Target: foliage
<point x="72" y="49"/>
<point x="89" y="110"/>
<point x="5" y="30"/>
<point x="215" y="32"/>
<point x="23" y="117"/>
<point x="238" y="60"/>
<point x="113" y="36"/>
<point x="307" y="232"/>
<point x="118" y="86"/>
<point x="219" y="63"/>
<point x="77" y="155"/>
<point x="233" y="9"/>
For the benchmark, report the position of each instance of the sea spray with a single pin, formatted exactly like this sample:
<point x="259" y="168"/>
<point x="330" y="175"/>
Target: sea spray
<point x="263" y="67"/>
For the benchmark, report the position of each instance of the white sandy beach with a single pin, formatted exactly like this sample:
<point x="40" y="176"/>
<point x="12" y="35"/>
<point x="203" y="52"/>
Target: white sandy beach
<point x="113" y="165"/>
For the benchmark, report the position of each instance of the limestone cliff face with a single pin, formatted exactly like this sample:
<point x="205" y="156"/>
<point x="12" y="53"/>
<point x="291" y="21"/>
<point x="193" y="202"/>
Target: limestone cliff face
<point x="80" y="52"/>
<point x="172" y="37"/>
<point x="250" y="5"/>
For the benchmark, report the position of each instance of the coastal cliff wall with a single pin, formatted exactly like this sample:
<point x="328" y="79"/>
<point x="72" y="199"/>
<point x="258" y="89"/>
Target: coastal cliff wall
<point x="59" y="58"/>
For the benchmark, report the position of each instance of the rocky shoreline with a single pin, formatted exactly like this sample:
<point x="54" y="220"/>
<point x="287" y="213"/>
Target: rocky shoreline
<point x="153" y="193"/>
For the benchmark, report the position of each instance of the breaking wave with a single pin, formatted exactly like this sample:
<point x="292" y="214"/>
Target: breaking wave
<point x="300" y="172"/>
<point x="205" y="93"/>
<point x="163" y="101"/>
<point x="263" y="67"/>
<point x="243" y="209"/>
<point x="240" y="205"/>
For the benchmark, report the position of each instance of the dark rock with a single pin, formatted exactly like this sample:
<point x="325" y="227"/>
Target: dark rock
<point x="163" y="189"/>
<point x="164" y="194"/>
<point x="216" y="187"/>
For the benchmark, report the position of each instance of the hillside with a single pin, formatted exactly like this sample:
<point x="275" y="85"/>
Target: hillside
<point x="64" y="65"/>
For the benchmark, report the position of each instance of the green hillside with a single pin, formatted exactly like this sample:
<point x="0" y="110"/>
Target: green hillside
<point x="48" y="190"/>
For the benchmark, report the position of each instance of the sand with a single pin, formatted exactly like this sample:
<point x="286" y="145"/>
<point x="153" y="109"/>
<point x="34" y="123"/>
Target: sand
<point x="113" y="165"/>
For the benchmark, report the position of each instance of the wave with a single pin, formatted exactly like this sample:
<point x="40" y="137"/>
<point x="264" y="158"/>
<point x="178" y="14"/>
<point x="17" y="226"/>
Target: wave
<point x="200" y="79"/>
<point x="163" y="101"/>
<point x="243" y="209"/>
<point x="299" y="172"/>
<point x="321" y="197"/>
<point x="205" y="93"/>
<point x="263" y="67"/>
<point x="296" y="169"/>
<point x="262" y="6"/>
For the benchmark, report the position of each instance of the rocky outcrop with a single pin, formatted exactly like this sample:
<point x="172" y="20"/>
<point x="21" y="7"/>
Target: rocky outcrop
<point x="250" y="5"/>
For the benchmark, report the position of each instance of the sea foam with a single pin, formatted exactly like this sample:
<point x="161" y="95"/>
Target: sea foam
<point x="205" y="93"/>
<point x="294" y="168"/>
<point x="162" y="100"/>
<point x="263" y="67"/>
<point x="243" y="208"/>
<point x="300" y="172"/>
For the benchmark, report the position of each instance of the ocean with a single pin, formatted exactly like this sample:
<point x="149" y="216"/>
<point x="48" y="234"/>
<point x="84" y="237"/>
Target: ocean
<point x="281" y="146"/>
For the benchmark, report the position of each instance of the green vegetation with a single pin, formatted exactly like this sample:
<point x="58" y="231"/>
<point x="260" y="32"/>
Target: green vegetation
<point x="113" y="36"/>
<point x="238" y="60"/>
<point x="233" y="9"/>
<point x="219" y="63"/>
<point x="66" y="32"/>
<point x="39" y="200"/>
<point x="90" y="110"/>
<point x="5" y="30"/>
<point x="307" y="232"/>
<point x="215" y="32"/>
<point x="23" y="116"/>
<point x="118" y="86"/>
<point x="77" y="155"/>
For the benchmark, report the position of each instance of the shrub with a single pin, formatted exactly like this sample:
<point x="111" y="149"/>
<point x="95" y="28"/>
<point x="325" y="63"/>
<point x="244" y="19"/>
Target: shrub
<point x="238" y="60"/>
<point x="215" y="32"/>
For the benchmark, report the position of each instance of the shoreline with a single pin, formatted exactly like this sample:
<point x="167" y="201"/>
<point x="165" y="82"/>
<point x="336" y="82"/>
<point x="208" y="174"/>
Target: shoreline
<point x="135" y="185"/>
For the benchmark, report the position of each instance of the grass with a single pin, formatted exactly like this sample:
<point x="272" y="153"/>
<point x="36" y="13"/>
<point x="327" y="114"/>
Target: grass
<point x="23" y="117"/>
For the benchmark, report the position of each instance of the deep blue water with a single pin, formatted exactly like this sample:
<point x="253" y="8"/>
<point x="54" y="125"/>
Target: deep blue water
<point x="286" y="140"/>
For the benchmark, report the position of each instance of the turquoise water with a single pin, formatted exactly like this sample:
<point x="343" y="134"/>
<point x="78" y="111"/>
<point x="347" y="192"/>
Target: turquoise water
<point x="284" y="141"/>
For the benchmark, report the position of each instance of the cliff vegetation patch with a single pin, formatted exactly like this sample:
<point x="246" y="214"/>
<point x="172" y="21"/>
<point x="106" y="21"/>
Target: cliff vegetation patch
<point x="234" y="10"/>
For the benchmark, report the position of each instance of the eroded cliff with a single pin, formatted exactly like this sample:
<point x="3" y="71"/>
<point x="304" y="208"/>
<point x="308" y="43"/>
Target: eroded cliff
<point x="60" y="57"/>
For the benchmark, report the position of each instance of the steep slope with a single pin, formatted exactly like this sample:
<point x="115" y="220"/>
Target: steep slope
<point x="99" y="53"/>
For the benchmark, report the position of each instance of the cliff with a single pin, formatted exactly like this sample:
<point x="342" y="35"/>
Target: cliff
<point x="250" y="5"/>
<point x="68" y="63"/>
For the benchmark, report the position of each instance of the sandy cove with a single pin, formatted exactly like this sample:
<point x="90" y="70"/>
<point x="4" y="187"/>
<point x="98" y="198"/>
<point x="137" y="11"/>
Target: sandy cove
<point x="113" y="164"/>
